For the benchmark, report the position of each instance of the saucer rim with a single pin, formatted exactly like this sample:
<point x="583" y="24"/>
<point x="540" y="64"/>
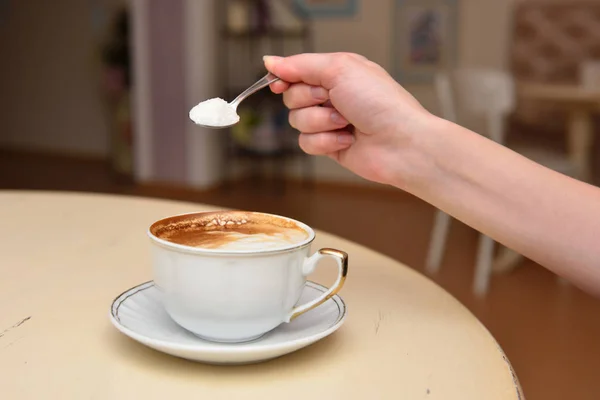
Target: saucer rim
<point x="209" y="347"/>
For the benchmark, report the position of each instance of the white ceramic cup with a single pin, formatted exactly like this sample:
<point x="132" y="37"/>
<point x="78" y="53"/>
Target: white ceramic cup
<point x="237" y="296"/>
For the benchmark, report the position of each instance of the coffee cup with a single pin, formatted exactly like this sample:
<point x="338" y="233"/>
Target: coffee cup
<point x="232" y="276"/>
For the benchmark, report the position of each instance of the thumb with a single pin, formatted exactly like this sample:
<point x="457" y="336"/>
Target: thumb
<point x="313" y="69"/>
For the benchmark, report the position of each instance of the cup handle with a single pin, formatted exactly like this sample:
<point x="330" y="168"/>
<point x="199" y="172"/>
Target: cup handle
<point x="309" y="266"/>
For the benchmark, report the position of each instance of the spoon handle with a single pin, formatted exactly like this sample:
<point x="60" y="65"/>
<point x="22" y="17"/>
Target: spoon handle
<point x="261" y="83"/>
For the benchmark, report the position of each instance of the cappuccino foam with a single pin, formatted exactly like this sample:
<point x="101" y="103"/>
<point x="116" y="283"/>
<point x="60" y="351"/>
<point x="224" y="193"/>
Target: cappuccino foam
<point x="230" y="231"/>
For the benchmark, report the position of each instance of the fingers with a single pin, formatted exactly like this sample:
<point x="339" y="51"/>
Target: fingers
<point x="300" y="95"/>
<point x="324" y="143"/>
<point x="313" y="69"/>
<point x="279" y="87"/>
<point x="316" y="119"/>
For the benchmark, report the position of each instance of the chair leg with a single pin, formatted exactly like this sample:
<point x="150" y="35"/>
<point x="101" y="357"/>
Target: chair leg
<point x="437" y="243"/>
<point x="483" y="266"/>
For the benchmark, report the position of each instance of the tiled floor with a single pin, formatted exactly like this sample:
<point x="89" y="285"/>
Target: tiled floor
<point x="549" y="331"/>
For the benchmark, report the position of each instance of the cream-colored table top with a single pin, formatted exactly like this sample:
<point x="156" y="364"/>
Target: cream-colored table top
<point x="64" y="257"/>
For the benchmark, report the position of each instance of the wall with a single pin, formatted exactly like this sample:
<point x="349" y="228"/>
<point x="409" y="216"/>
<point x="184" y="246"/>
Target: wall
<point x="204" y="163"/>
<point x="49" y="87"/>
<point x="482" y="35"/>
<point x="167" y="57"/>
<point x="174" y="53"/>
<point x="482" y="40"/>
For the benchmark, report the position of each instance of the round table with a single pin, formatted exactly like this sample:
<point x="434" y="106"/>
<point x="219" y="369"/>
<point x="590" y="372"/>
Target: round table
<point x="65" y="256"/>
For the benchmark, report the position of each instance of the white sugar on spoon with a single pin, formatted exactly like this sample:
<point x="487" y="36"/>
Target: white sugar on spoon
<point x="214" y="112"/>
<point x="217" y="113"/>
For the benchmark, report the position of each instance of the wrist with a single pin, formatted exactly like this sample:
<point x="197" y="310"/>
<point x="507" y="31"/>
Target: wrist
<point x="416" y="163"/>
<point x="445" y="159"/>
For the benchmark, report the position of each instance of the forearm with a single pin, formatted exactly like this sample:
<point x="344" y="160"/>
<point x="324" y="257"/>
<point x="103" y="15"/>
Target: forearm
<point x="544" y="215"/>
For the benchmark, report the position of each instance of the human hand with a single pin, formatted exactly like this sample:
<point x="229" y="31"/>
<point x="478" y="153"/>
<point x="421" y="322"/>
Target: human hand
<point x="350" y="109"/>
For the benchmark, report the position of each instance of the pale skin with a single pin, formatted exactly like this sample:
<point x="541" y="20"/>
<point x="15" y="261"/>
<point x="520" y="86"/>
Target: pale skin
<point x="351" y="110"/>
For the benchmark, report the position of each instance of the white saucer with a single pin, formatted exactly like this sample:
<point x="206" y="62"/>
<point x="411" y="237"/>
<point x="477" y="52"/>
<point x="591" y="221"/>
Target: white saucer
<point x="139" y="314"/>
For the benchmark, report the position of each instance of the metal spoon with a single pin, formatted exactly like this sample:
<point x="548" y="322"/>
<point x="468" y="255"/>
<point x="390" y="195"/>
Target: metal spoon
<point x="258" y="85"/>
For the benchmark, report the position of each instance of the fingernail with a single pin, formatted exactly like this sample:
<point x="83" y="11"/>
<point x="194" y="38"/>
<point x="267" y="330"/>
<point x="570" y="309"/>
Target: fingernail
<point x="270" y="61"/>
<point x="345" y="139"/>
<point x="338" y="119"/>
<point x="319" y="93"/>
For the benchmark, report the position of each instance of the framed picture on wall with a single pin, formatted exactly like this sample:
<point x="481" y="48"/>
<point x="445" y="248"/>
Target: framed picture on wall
<point x="326" y="8"/>
<point x="424" y="38"/>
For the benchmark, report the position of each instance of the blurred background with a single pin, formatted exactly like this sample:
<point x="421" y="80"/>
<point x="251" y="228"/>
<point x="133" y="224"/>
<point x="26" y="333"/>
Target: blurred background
<point x="95" y="94"/>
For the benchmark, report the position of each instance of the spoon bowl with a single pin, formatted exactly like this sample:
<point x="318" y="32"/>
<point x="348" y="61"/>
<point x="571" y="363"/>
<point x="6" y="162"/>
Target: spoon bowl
<point x="258" y="85"/>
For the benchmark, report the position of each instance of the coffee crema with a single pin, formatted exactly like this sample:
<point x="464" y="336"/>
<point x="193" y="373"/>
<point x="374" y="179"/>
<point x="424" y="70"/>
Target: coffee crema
<point x="230" y="231"/>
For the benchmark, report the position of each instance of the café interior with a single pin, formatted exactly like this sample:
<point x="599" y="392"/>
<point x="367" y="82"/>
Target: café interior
<point x="95" y="99"/>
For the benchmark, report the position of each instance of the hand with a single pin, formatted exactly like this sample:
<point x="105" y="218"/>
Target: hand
<point x="350" y="109"/>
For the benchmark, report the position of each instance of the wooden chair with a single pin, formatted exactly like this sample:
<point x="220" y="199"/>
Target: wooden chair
<point x="486" y="96"/>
